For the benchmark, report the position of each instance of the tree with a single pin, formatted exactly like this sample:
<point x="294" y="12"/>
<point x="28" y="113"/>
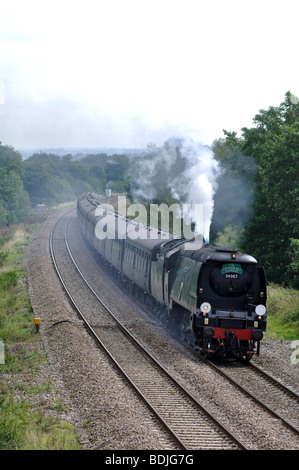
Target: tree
<point x="274" y="144"/>
<point x="235" y="192"/>
<point x="3" y="215"/>
<point x="14" y="201"/>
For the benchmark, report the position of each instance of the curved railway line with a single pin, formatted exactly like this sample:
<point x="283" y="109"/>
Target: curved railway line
<point x="188" y="421"/>
<point x="192" y="426"/>
<point x="279" y="400"/>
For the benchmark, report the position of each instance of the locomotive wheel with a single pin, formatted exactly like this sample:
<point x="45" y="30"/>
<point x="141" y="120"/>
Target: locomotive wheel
<point x="185" y="330"/>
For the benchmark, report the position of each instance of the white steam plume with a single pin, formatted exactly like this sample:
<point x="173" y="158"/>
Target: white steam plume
<point x="185" y="169"/>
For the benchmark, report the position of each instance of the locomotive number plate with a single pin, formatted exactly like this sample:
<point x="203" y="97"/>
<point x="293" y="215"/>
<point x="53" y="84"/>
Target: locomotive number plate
<point x="231" y="268"/>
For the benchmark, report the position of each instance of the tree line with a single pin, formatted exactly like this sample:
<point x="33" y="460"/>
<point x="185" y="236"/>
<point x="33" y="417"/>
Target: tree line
<point x="49" y="179"/>
<point x="265" y="161"/>
<point x="256" y="203"/>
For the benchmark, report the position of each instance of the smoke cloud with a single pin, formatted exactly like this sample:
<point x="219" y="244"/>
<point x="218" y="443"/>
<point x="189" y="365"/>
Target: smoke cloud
<point x="181" y="169"/>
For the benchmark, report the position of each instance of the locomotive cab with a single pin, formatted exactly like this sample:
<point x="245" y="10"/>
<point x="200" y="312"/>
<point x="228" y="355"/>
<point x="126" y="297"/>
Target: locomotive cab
<point x="217" y="299"/>
<point x="231" y="308"/>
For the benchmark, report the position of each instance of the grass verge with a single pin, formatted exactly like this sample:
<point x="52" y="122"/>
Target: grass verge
<point x="28" y="420"/>
<point x="283" y="313"/>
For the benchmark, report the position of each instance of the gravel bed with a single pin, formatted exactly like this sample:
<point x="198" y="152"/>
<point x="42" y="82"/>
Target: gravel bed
<point x="98" y="401"/>
<point x="105" y="411"/>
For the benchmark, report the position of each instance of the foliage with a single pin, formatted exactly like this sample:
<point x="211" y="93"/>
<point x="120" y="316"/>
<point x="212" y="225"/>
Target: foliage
<point x="14" y="201"/>
<point x="235" y="192"/>
<point x="52" y="180"/>
<point x="3" y="215"/>
<point x="257" y="199"/>
<point x="31" y="424"/>
<point x="283" y="312"/>
<point x="229" y="237"/>
<point x="293" y="267"/>
<point x="49" y="179"/>
<point x="8" y="279"/>
<point x="272" y="227"/>
<point x="12" y="421"/>
<point x="22" y="428"/>
<point x="6" y="234"/>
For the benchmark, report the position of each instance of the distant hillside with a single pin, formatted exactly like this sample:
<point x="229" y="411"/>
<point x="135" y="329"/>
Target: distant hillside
<point x="79" y="152"/>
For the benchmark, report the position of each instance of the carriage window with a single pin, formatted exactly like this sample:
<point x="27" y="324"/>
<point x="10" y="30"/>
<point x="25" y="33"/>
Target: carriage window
<point x="131" y="255"/>
<point x="139" y="259"/>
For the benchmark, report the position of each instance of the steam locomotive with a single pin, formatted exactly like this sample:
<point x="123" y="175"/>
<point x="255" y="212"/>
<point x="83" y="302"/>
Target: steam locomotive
<point x="212" y="296"/>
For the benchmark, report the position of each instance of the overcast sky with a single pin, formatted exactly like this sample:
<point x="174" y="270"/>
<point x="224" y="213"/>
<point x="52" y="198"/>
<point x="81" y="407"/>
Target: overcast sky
<point x="121" y="73"/>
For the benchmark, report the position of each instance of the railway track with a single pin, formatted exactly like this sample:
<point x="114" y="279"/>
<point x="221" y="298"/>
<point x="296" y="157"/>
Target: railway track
<point x="269" y="393"/>
<point x="184" y="417"/>
<point x="276" y="399"/>
<point x="279" y="400"/>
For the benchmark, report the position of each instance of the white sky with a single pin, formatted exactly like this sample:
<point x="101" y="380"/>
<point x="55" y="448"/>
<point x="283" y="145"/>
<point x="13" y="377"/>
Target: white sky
<point x="121" y="73"/>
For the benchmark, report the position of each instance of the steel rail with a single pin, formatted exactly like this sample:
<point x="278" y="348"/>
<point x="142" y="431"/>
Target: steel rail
<point x="260" y="402"/>
<point x="243" y="389"/>
<point x="252" y="396"/>
<point x="98" y="340"/>
<point x="275" y="382"/>
<point x="233" y="438"/>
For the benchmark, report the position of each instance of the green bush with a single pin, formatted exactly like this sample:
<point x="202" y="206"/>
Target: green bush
<point x="23" y="429"/>
<point x="13" y="418"/>
<point x="283" y="312"/>
<point x="293" y="267"/>
<point x="8" y="280"/>
<point x="3" y="257"/>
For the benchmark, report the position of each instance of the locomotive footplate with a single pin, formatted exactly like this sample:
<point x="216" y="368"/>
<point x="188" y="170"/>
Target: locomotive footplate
<point x="241" y="334"/>
<point x="235" y="342"/>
